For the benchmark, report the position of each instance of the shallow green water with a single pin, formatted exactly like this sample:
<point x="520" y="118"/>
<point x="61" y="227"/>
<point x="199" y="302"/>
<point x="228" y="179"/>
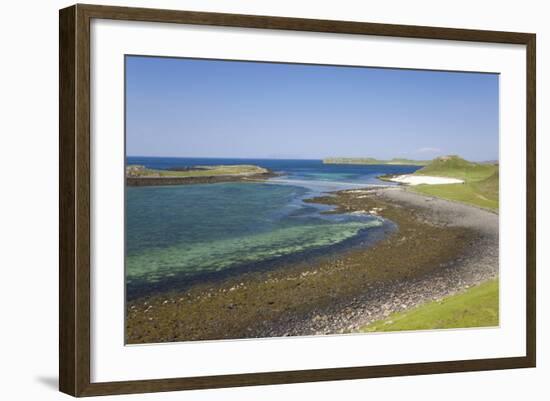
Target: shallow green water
<point x="178" y="234"/>
<point x="193" y="229"/>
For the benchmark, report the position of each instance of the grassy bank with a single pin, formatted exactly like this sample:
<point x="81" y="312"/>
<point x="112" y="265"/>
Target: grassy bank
<point x="476" y="307"/>
<point x="456" y="167"/>
<point x="480" y="186"/>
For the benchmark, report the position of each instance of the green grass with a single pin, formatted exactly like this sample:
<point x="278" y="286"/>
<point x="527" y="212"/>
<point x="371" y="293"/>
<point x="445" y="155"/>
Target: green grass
<point x="480" y="186"/>
<point x="456" y="167"/>
<point x="205" y="171"/>
<point x="472" y="193"/>
<point x="476" y="307"/>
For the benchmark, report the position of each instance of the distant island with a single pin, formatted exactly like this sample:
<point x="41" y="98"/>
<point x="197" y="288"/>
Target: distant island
<point x="137" y="175"/>
<point x="372" y="160"/>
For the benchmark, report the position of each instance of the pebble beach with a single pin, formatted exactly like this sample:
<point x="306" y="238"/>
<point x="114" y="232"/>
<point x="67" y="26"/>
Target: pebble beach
<point x="438" y="249"/>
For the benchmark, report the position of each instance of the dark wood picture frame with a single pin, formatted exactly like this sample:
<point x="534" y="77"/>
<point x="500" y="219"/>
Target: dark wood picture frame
<point x="74" y="199"/>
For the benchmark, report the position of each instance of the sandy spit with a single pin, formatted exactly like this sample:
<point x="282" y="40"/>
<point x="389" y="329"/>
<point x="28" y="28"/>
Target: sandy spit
<point x="425" y="179"/>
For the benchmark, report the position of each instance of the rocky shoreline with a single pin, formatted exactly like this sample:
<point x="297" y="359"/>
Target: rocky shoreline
<point x="441" y="248"/>
<point x="151" y="181"/>
<point x="477" y="265"/>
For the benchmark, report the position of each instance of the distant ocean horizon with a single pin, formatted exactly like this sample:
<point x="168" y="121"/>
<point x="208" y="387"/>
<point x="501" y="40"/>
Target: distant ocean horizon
<point x="183" y="233"/>
<point x="136" y="157"/>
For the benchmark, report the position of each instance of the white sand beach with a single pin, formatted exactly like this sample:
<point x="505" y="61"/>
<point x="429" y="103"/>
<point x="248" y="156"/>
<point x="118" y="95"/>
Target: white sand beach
<point x="425" y="179"/>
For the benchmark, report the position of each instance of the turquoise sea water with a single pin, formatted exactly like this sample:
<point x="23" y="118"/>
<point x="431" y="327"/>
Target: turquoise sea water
<point x="179" y="234"/>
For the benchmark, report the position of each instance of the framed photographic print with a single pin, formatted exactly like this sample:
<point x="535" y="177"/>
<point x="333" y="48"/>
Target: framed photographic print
<point x="250" y="200"/>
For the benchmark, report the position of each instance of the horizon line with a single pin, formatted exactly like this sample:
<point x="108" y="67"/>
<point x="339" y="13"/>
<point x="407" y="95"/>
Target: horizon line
<point x="320" y="158"/>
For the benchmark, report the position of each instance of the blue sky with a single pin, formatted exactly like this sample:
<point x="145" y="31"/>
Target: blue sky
<point x="208" y="108"/>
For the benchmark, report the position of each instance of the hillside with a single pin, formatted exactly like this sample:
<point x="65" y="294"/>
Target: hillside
<point x="456" y="167"/>
<point x="481" y="181"/>
<point x="373" y="161"/>
<point x="489" y="184"/>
